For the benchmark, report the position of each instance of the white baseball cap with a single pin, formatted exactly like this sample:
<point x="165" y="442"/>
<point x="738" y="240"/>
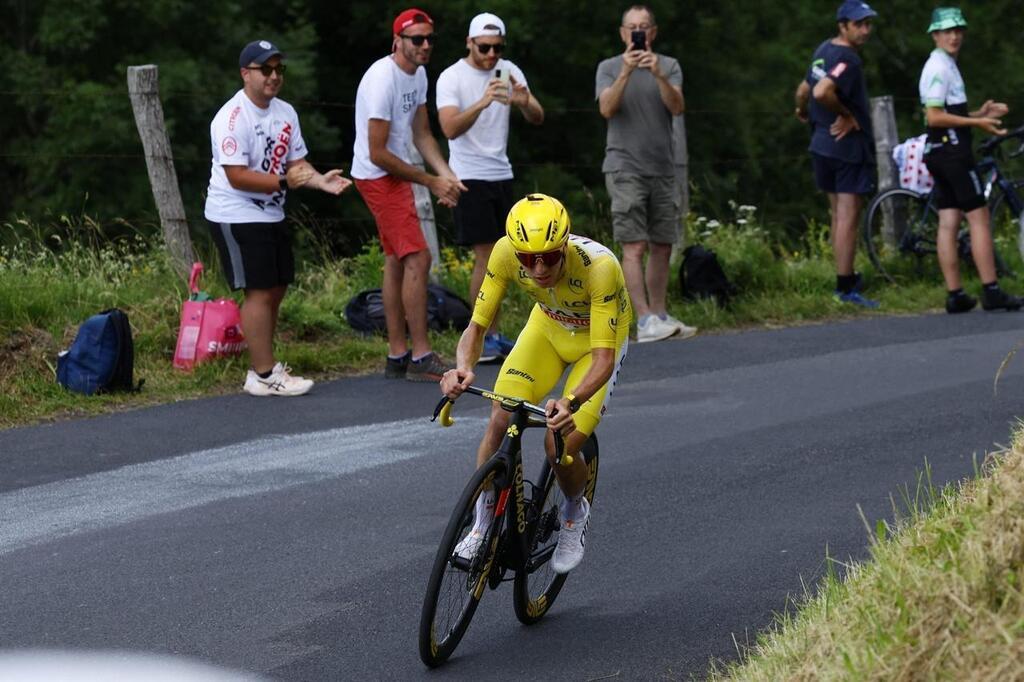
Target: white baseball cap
<point x="486" y="24"/>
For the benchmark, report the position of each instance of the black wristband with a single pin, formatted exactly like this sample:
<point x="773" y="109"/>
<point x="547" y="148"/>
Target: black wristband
<point x="283" y="184"/>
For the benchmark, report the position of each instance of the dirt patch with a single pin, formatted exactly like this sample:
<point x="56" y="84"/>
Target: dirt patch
<point x="25" y="349"/>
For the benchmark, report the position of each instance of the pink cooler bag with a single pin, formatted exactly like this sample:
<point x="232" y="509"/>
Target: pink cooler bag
<point x="209" y="329"/>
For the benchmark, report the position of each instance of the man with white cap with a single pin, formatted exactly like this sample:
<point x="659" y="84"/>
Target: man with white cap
<point x="474" y="100"/>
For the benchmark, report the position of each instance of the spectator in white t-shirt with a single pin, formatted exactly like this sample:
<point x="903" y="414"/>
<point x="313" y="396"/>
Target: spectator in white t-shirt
<point x="391" y="112"/>
<point x="259" y="154"/>
<point x="474" y="100"/>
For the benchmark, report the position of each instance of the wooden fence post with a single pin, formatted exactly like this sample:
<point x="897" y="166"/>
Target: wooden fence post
<point x="883" y="123"/>
<point x="425" y="210"/>
<point x="149" y="119"/>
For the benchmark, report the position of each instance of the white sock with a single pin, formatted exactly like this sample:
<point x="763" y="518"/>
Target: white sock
<point x="484" y="512"/>
<point x="572" y="508"/>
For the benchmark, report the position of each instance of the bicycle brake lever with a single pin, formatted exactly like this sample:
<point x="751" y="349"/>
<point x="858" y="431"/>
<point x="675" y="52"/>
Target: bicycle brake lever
<point x="444" y="411"/>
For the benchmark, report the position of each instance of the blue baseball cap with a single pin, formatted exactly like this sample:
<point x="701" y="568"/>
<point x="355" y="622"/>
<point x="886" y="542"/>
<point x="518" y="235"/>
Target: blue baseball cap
<point x="257" y="52"/>
<point x="854" y="10"/>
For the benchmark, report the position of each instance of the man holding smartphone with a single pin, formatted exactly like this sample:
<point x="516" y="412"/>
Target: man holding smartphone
<point x="639" y="92"/>
<point x="475" y="96"/>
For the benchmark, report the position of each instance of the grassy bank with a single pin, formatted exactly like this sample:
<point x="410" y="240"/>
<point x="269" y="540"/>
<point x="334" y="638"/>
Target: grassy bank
<point x="48" y="287"/>
<point x="939" y="598"/>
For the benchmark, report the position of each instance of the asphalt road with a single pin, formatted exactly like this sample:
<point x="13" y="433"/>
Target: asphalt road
<point x="292" y="538"/>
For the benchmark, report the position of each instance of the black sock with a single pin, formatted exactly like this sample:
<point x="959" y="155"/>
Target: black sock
<point x="264" y="375"/>
<point x="956" y="292"/>
<point x="844" y="283"/>
<point x="991" y="286"/>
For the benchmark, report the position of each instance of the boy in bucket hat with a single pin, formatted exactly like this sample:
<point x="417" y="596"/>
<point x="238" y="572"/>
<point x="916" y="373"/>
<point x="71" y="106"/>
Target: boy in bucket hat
<point x="958" y="189"/>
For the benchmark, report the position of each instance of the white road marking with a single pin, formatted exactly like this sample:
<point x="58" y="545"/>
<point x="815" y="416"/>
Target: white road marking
<point x="44" y="513"/>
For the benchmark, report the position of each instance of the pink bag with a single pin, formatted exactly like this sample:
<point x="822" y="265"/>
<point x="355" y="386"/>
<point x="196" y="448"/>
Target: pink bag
<point x="209" y="329"/>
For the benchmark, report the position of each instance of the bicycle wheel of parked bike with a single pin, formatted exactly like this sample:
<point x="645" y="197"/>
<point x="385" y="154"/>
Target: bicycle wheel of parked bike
<point x="912" y="223"/>
<point x="1007" y="229"/>
<point x="537" y="585"/>
<point x="456" y="584"/>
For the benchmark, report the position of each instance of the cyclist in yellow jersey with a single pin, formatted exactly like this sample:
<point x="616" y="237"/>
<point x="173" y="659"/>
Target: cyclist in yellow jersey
<point x="581" y="318"/>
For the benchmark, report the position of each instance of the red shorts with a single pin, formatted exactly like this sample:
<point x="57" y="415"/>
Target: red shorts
<point x="393" y="206"/>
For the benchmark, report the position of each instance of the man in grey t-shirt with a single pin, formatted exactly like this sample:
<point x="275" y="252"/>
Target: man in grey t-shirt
<point x="639" y="92"/>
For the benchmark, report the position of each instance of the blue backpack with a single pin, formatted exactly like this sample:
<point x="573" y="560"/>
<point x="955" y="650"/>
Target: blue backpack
<point x="102" y="357"/>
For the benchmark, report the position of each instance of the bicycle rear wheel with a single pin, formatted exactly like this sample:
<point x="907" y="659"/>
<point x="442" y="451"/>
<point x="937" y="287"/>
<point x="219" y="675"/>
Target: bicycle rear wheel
<point x="899" y="222"/>
<point x="456" y="584"/>
<point x="537" y="585"/>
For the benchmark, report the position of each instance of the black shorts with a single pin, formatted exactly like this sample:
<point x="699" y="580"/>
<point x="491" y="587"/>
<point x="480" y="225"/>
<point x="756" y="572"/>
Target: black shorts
<point x="481" y="212"/>
<point x="254" y="255"/>
<point x="842" y="177"/>
<point x="957" y="183"/>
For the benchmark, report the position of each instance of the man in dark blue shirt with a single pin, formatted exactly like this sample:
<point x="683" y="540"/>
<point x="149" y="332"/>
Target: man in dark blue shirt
<point x="833" y="99"/>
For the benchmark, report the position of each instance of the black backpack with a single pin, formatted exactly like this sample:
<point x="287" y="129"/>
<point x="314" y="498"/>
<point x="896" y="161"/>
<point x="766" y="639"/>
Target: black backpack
<point x="102" y="356"/>
<point x="701" y="276"/>
<point x="445" y="310"/>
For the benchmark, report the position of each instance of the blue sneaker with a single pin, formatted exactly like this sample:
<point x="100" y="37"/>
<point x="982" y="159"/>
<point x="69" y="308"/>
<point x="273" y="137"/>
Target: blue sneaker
<point x="492" y="349"/>
<point x="505" y="344"/>
<point x="854" y="297"/>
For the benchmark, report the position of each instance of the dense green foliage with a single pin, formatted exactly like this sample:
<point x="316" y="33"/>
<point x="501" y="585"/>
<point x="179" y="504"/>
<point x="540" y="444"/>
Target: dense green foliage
<point x="71" y="148"/>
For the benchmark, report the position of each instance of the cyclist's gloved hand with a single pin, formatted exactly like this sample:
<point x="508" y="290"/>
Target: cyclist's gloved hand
<point x="560" y="416"/>
<point x="455" y="381"/>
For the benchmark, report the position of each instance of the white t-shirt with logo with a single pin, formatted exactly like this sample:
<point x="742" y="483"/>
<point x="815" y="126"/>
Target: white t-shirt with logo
<point x="389" y="94"/>
<point x="480" y="153"/>
<point x="262" y="140"/>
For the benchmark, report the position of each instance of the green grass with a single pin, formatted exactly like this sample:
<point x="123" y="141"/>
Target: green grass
<point x="48" y="287"/>
<point x="939" y="598"/>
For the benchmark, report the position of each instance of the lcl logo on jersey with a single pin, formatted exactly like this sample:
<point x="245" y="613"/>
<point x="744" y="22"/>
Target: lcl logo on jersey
<point x="576" y="285"/>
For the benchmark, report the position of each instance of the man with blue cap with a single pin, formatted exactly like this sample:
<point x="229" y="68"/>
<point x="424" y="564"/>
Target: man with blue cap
<point x="833" y="99"/>
<point x="258" y="155"/>
<point x="958" y="189"/>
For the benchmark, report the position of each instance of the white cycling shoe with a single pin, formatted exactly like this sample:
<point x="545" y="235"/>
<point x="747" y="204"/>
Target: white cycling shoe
<point x="469" y="545"/>
<point x="572" y="539"/>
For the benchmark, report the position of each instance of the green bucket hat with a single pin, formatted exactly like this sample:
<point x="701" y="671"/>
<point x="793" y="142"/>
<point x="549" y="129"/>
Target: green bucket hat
<point x="946" y="17"/>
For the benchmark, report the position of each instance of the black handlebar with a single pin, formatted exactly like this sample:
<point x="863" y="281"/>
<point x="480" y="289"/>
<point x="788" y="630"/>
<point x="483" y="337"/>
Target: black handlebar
<point x="989" y="145"/>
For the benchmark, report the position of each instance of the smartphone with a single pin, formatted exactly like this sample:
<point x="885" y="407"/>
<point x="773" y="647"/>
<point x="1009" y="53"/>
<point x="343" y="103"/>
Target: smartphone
<point x="503" y="76"/>
<point x="639" y="40"/>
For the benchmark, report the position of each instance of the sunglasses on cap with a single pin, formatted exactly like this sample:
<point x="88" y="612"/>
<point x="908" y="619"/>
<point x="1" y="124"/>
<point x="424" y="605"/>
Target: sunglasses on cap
<point x="485" y="48"/>
<point x="267" y="69"/>
<point x="419" y="40"/>
<point x="549" y="258"/>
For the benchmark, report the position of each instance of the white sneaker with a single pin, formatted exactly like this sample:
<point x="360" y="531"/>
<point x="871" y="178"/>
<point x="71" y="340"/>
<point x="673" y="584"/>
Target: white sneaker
<point x="572" y="537"/>
<point x="653" y="328"/>
<point x="469" y="545"/>
<point x="685" y="330"/>
<point x="280" y="382"/>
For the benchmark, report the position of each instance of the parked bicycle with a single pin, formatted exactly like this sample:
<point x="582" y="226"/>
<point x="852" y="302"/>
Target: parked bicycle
<point x="521" y="537"/>
<point x="913" y="219"/>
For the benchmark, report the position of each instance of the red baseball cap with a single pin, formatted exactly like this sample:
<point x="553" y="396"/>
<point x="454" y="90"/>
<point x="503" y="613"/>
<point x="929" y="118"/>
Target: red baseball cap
<point x="409" y="17"/>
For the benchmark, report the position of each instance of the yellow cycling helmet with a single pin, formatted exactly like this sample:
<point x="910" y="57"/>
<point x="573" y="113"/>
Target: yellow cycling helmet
<point x="537" y="223"/>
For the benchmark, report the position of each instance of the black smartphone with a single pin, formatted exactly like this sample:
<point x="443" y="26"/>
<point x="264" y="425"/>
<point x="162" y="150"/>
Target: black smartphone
<point x="639" y="40"/>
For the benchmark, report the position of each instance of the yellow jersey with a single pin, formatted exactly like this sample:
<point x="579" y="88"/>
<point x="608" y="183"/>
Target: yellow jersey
<point x="589" y="297"/>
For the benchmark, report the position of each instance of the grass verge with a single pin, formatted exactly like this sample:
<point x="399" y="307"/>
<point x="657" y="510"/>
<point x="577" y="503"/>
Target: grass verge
<point x="48" y="286"/>
<point x="939" y="598"/>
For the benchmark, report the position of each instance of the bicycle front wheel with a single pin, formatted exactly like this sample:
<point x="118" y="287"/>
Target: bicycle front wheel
<point x="457" y="583"/>
<point x="537" y="585"/>
<point x="899" y="222"/>
<point x="1007" y="229"/>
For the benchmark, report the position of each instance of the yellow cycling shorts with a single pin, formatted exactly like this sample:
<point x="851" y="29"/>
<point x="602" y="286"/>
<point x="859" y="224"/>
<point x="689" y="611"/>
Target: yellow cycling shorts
<point x="542" y="352"/>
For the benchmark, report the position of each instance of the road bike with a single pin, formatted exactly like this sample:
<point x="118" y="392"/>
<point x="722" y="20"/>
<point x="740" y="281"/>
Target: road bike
<point x="912" y="220"/>
<point x="521" y="538"/>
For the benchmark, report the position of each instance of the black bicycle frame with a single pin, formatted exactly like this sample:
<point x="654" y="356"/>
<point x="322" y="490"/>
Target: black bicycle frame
<point x="511" y="507"/>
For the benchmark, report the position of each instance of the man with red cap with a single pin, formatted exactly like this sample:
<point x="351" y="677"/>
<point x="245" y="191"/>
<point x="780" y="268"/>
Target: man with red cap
<point x="391" y="113"/>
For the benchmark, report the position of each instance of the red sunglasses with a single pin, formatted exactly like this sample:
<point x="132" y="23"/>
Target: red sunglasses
<point x="530" y="260"/>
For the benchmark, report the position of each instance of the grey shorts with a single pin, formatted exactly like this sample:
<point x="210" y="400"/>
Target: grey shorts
<point x="644" y="208"/>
